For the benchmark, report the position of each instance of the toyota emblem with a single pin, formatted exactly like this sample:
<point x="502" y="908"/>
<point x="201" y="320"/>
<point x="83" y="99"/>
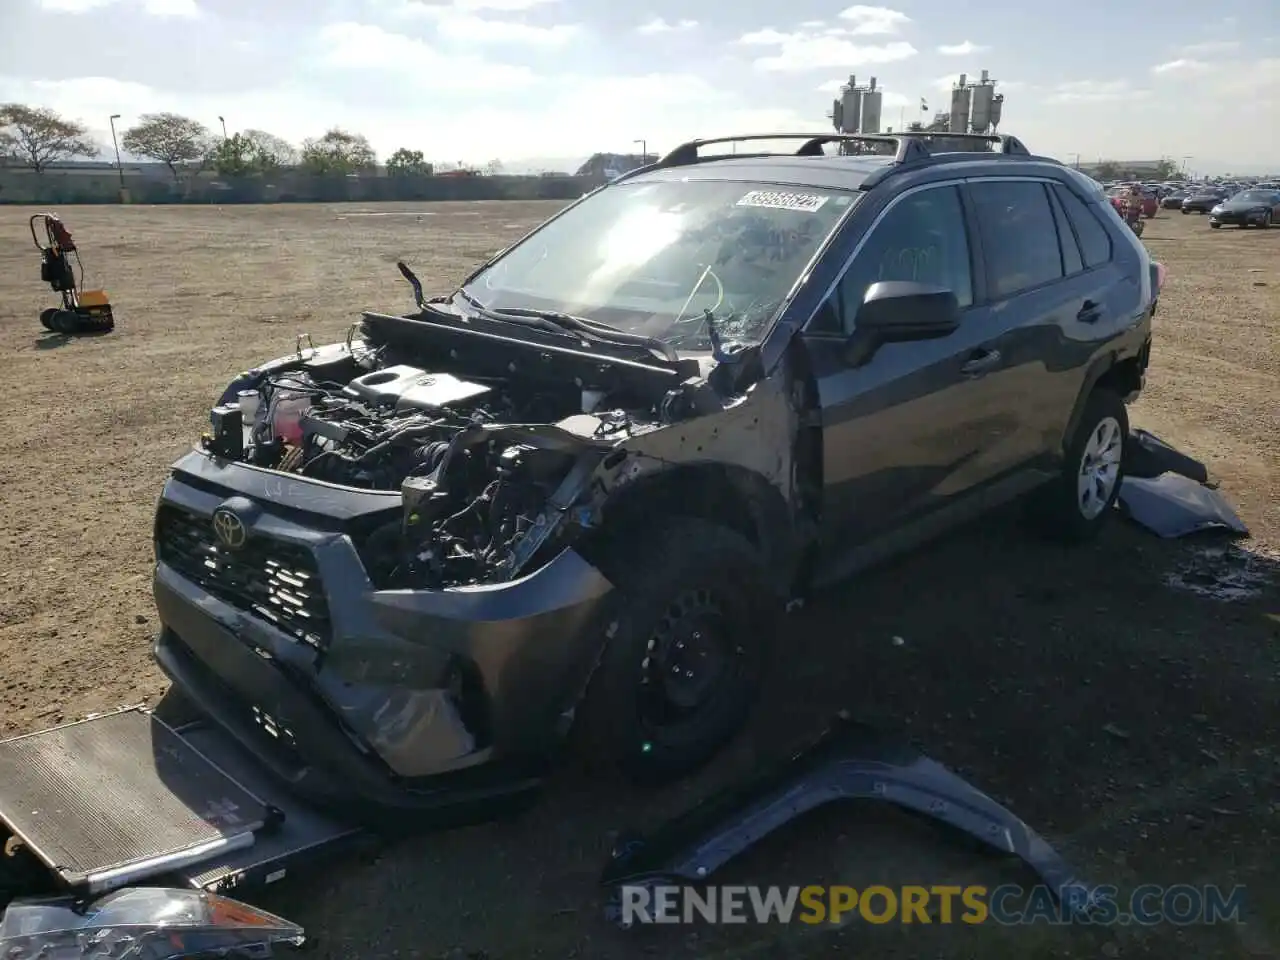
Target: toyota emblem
<point x="229" y="528"/>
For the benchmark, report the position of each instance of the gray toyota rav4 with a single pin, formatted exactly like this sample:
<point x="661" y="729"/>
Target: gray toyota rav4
<point x="568" y="502"/>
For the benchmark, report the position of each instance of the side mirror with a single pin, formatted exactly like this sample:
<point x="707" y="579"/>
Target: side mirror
<point x="897" y="311"/>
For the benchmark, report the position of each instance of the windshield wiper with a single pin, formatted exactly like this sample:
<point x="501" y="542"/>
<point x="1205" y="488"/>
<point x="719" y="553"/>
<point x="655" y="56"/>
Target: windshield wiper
<point x="561" y="323"/>
<point x="538" y="323"/>
<point x="596" y="330"/>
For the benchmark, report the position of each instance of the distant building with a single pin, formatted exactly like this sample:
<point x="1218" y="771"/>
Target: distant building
<point x="1126" y="169"/>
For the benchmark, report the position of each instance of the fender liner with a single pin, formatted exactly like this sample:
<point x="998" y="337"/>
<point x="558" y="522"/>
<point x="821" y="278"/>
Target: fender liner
<point x="849" y="762"/>
<point x="1098" y="369"/>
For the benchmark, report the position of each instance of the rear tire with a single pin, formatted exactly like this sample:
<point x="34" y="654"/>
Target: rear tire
<point x="688" y="634"/>
<point x="1074" y="507"/>
<point x="46" y="317"/>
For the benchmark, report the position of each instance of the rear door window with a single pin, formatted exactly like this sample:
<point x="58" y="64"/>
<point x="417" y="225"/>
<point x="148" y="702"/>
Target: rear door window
<point x="1019" y="235"/>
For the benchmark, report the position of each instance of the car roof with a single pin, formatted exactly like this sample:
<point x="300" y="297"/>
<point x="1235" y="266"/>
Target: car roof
<point x="914" y="154"/>
<point x="836" y="173"/>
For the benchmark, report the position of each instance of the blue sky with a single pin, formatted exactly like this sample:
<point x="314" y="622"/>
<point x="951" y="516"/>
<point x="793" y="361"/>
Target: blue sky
<point x="474" y="80"/>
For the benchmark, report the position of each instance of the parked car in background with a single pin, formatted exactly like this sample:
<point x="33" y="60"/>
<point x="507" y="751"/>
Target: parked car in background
<point x="1203" y="199"/>
<point x="1173" y="201"/>
<point x="1249" y="208"/>
<point x="1119" y="197"/>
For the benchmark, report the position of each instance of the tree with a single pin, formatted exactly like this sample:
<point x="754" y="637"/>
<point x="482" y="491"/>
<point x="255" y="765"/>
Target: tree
<point x="251" y="152"/>
<point x="338" y="151"/>
<point x="493" y="168"/>
<point x="1108" y="170"/>
<point x="170" y="138"/>
<point x="1166" y="169"/>
<point x="405" y="162"/>
<point x="35" y="137"/>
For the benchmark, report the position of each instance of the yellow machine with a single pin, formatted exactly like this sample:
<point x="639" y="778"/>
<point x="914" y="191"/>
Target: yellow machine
<point x="82" y="311"/>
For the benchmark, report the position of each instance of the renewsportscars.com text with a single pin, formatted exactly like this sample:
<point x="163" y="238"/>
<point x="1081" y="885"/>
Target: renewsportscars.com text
<point x="1010" y="905"/>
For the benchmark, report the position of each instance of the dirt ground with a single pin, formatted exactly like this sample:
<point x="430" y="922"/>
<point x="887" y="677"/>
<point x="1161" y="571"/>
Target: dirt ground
<point x="1121" y="698"/>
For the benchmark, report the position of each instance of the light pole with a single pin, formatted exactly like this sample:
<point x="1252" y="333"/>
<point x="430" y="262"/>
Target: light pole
<point x="1184" y="165"/>
<point x="644" y="150"/>
<point x="1075" y="163"/>
<point x="116" y="143"/>
<point x="224" y="127"/>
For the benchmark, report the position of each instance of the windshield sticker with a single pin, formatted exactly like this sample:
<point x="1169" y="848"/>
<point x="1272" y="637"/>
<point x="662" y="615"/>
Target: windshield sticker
<point x="804" y="203"/>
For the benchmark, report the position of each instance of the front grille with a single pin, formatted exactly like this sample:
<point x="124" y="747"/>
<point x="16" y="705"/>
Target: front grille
<point x="274" y="580"/>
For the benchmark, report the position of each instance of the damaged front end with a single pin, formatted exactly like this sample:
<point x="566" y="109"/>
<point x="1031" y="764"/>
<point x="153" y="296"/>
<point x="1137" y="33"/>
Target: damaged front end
<point x="386" y="544"/>
<point x="504" y="451"/>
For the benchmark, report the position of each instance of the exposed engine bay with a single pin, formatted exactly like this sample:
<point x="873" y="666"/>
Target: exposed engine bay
<point x="469" y="496"/>
<point x="492" y="463"/>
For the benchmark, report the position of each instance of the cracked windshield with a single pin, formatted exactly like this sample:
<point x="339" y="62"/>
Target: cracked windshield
<point x="674" y="261"/>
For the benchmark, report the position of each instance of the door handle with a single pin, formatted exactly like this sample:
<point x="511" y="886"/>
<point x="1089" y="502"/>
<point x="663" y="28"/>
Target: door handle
<point x="980" y="363"/>
<point x="1090" y="312"/>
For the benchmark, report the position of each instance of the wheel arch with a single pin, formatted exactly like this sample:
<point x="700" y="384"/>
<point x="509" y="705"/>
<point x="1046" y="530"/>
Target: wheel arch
<point x="1121" y="375"/>
<point x="725" y="494"/>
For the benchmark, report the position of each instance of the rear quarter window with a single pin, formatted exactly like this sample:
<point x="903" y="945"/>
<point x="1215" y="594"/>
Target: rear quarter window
<point x="1095" y="241"/>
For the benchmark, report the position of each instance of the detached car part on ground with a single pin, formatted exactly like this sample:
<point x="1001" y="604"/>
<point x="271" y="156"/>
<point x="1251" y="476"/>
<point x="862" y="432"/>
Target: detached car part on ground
<point x="570" y="500"/>
<point x="849" y="762"/>
<point x="146" y="923"/>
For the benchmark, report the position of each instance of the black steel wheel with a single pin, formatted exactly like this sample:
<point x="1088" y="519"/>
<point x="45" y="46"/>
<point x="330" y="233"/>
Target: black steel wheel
<point x="687" y="637"/>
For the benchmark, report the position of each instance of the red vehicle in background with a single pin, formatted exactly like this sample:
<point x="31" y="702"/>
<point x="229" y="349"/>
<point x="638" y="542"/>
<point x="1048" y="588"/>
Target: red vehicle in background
<point x="1119" y="197"/>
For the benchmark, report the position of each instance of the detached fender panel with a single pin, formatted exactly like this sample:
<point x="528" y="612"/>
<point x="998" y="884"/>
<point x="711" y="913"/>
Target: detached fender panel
<point x="848" y="763"/>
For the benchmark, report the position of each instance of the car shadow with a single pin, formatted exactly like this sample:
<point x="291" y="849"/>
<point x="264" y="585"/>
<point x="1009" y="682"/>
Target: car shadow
<point x="1066" y="683"/>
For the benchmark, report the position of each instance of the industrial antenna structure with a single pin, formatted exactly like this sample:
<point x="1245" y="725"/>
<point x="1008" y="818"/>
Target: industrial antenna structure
<point x="857" y="109"/>
<point x="975" y="107"/>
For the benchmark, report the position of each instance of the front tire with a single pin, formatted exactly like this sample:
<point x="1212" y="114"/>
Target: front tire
<point x="1074" y="507"/>
<point x="688" y="635"/>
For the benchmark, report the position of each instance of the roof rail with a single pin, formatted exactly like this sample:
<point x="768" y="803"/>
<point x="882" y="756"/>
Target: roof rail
<point x="904" y="148"/>
<point x="909" y="147"/>
<point x="999" y="142"/>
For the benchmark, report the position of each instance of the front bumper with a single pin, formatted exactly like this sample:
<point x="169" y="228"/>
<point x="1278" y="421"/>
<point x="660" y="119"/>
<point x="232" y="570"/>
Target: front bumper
<point x="405" y="699"/>
<point x="1242" y="219"/>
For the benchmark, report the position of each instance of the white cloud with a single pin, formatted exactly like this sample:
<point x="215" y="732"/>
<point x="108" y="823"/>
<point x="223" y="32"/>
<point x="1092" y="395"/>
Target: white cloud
<point x="949" y="81"/>
<point x="666" y="109"/>
<point x="1095" y="91"/>
<point x="807" y="49"/>
<point x="659" y="25"/>
<point x="74" y="6"/>
<point x="156" y="8"/>
<point x="460" y="21"/>
<point x="831" y="86"/>
<point x="813" y="24"/>
<point x="366" y="48"/>
<point x="186" y="9"/>
<point x="962" y="49"/>
<point x="874" y="21"/>
<point x="421" y="8"/>
<point x="1209" y="48"/>
<point x="478" y="30"/>
<point x="1182" y="66"/>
